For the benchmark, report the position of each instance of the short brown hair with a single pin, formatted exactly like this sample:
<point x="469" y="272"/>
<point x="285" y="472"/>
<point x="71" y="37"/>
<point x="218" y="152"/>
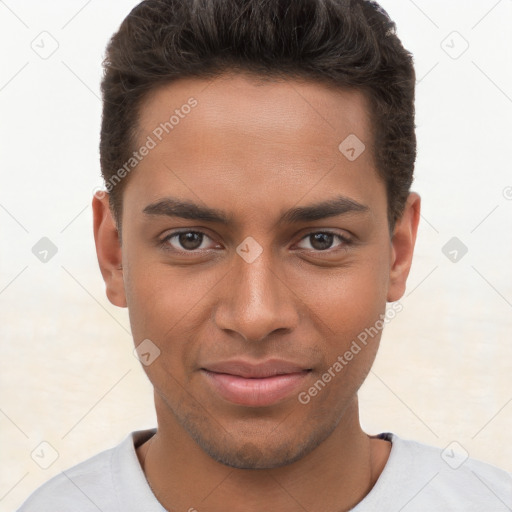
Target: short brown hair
<point x="351" y="44"/>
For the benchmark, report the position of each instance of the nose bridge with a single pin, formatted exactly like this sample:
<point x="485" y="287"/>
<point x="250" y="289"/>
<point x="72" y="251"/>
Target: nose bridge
<point x="256" y="302"/>
<point x="257" y="283"/>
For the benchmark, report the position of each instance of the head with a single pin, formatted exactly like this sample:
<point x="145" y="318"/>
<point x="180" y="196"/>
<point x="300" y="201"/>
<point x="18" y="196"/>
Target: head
<point x="258" y="157"/>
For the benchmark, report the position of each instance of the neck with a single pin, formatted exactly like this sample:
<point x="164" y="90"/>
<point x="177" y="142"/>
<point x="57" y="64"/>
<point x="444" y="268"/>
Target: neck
<point x="336" y="475"/>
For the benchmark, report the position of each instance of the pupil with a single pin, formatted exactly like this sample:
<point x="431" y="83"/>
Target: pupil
<point x="190" y="240"/>
<point x="321" y="241"/>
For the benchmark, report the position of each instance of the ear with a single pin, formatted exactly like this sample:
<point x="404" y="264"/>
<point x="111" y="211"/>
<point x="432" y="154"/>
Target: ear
<point x="108" y="249"/>
<point x="402" y="247"/>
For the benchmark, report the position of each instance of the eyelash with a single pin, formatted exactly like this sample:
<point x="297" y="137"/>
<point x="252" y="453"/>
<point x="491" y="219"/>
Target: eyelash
<point x="164" y="242"/>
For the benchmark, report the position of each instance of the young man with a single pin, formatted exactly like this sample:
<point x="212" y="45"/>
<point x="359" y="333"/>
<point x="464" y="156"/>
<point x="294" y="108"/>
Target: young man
<point x="258" y="157"/>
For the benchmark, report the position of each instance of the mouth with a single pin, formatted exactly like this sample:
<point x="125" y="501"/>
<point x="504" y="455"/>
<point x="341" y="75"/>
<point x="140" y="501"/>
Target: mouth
<point x="255" y="385"/>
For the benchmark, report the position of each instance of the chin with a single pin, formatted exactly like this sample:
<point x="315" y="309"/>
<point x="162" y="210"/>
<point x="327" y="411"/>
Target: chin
<point x="263" y="451"/>
<point x="252" y="456"/>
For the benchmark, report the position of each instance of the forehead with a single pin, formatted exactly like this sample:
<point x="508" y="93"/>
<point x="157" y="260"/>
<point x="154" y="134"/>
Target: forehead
<point x="287" y="110"/>
<point x="261" y="138"/>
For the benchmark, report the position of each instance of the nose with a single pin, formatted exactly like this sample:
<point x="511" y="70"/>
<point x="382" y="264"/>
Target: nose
<point x="256" y="301"/>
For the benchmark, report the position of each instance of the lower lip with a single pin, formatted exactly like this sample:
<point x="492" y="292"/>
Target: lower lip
<point x="255" y="392"/>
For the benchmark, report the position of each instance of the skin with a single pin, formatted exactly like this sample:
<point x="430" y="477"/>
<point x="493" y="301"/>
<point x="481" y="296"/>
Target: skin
<point x="254" y="150"/>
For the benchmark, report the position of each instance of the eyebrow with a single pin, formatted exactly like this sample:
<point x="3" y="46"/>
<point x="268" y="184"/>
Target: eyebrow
<point x="172" y="207"/>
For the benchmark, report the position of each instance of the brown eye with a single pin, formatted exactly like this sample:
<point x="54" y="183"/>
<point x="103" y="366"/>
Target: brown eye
<point x="323" y="241"/>
<point x="186" y="241"/>
<point x="191" y="240"/>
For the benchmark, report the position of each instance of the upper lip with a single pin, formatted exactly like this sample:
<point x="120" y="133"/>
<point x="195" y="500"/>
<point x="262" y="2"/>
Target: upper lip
<point x="260" y="370"/>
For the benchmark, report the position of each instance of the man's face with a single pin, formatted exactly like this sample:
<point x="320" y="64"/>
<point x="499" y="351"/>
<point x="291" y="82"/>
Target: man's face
<point x="262" y="284"/>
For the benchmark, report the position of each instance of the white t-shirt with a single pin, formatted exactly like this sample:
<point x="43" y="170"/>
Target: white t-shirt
<point x="416" y="478"/>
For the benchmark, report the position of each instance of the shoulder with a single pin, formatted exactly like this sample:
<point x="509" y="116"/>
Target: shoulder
<point x="78" y="488"/>
<point x="110" y="480"/>
<point x="449" y="477"/>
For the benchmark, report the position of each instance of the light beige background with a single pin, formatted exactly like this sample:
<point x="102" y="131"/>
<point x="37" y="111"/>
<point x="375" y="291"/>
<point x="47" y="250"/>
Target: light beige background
<point x="68" y="374"/>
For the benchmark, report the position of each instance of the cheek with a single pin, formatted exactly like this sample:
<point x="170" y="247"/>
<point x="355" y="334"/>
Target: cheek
<point x="349" y="309"/>
<point x="157" y="298"/>
<point x="346" y="307"/>
<point x="344" y="301"/>
<point x="161" y="309"/>
<point x="170" y="306"/>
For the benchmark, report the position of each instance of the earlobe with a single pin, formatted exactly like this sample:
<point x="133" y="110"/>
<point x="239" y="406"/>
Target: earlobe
<point x="108" y="249"/>
<point x="402" y="247"/>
